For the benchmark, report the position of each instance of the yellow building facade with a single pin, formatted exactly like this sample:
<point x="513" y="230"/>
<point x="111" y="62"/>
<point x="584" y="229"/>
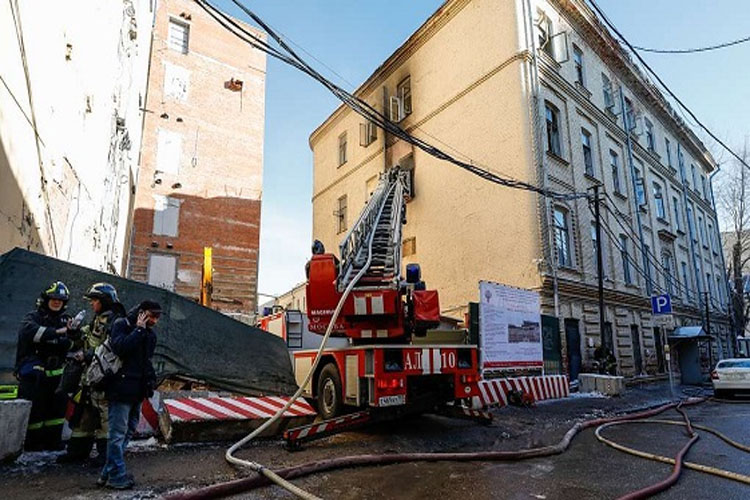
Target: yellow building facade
<point x="520" y="88"/>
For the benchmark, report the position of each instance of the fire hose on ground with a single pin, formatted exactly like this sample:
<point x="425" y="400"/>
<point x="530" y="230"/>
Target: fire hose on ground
<point x="263" y="471"/>
<point x="298" y="471"/>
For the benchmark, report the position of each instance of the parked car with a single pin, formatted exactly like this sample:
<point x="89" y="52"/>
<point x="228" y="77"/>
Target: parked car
<point x="731" y="376"/>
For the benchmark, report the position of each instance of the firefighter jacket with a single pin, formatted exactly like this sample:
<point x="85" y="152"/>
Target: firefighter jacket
<point x="39" y="345"/>
<point x="96" y="332"/>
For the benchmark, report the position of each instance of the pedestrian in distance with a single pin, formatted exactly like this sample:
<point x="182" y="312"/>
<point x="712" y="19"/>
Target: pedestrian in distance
<point x="43" y="341"/>
<point x="88" y="421"/>
<point x="133" y="340"/>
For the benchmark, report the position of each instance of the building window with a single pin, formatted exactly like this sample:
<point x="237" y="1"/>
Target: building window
<point x="403" y="90"/>
<point x="609" y="101"/>
<point x="661" y="211"/>
<point x="650" y="142"/>
<point x="178" y="36"/>
<point x="720" y="291"/>
<point x="711" y="237"/>
<point x="692" y="174"/>
<point x="562" y="238"/>
<point x="625" y="259"/>
<point x="709" y="285"/>
<point x="666" y="263"/>
<point x="368" y="133"/>
<point x="553" y="129"/>
<point x="578" y="61"/>
<point x="668" y="148"/>
<point x="615" y="164"/>
<point x="166" y="215"/>
<point x="676" y="208"/>
<point x="703" y="186"/>
<point x="176" y="82"/>
<point x="649" y="282"/>
<point x="341" y="215"/>
<point x="691" y="223"/>
<point x="162" y="270"/>
<point x="685" y="279"/>
<point x="409" y="247"/>
<point x="544" y="30"/>
<point x="629" y="115"/>
<point x="588" y="158"/>
<point x="702" y="229"/>
<point x="640" y="188"/>
<point x="342" y="149"/>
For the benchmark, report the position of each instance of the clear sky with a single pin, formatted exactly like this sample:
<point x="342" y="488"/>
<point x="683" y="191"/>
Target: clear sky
<point x="353" y="38"/>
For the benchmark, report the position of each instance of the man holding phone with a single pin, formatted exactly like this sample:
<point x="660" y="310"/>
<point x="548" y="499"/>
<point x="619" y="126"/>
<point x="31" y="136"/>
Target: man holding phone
<point x="134" y="341"/>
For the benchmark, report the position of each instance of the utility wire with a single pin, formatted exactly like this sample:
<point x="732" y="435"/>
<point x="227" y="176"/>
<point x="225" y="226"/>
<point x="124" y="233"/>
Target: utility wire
<point x="664" y="85"/>
<point x="361" y="107"/>
<point x="694" y="50"/>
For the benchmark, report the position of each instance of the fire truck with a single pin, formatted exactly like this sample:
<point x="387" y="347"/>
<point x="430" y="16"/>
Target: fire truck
<point x="389" y="364"/>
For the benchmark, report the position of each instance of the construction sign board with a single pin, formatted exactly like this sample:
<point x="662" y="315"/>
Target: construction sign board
<point x="510" y="333"/>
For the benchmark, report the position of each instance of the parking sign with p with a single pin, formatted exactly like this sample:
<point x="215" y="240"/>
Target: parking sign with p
<point x="661" y="304"/>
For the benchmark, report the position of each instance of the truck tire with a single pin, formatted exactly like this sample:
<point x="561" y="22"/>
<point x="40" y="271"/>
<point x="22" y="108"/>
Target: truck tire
<point x="329" y="396"/>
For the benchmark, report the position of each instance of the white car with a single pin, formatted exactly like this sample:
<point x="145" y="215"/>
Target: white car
<point x="731" y="376"/>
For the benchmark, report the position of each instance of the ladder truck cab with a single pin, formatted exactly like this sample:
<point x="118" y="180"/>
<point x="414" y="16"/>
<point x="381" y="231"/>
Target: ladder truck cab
<point x="389" y="361"/>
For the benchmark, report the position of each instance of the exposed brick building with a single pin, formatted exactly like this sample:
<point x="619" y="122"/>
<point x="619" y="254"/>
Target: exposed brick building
<point x="201" y="172"/>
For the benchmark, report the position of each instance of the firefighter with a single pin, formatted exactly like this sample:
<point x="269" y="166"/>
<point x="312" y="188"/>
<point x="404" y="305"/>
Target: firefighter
<point x="43" y="341"/>
<point x="89" y="418"/>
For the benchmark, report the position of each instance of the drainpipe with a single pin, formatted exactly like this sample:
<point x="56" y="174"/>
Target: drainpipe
<point x="634" y="180"/>
<point x="690" y="220"/>
<point x="537" y="133"/>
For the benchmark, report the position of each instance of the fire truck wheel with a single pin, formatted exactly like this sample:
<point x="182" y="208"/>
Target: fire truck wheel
<point x="329" y="396"/>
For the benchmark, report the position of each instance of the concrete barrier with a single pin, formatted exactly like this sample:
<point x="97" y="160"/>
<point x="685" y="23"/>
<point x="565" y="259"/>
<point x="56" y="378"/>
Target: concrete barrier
<point x="14" y="418"/>
<point x="610" y="385"/>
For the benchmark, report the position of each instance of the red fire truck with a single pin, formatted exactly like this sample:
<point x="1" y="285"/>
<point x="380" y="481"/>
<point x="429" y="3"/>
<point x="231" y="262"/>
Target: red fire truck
<point x="387" y="318"/>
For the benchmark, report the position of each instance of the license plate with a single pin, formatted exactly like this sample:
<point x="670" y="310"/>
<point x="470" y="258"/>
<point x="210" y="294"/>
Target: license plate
<point x="399" y="399"/>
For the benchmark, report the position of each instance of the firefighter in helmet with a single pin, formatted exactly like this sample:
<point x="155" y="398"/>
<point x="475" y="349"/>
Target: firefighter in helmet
<point x="43" y="341"/>
<point x="89" y="418"/>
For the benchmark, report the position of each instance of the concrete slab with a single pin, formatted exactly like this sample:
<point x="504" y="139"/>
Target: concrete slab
<point x="14" y="418"/>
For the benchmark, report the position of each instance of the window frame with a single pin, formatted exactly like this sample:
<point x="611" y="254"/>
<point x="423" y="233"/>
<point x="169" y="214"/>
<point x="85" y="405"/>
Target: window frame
<point x="614" y="165"/>
<point x="403" y="91"/>
<point x="588" y="159"/>
<point x="624" y="256"/>
<point x="661" y="206"/>
<point x="668" y="148"/>
<point x="184" y="49"/>
<point x="562" y="237"/>
<point x="650" y="137"/>
<point x="342" y="149"/>
<point x="609" y="100"/>
<point x="554" y="140"/>
<point x="676" y="213"/>
<point x="341" y="214"/>
<point x="579" y="66"/>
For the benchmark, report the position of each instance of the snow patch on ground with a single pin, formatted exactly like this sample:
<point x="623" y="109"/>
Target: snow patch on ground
<point x="37" y="458"/>
<point x="149" y="444"/>
<point x="594" y="394"/>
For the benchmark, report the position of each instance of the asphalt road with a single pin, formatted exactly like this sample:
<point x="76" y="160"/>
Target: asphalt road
<point x="588" y="470"/>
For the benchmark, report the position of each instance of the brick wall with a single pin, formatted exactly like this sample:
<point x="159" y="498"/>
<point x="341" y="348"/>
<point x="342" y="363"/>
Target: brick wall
<point x="203" y="149"/>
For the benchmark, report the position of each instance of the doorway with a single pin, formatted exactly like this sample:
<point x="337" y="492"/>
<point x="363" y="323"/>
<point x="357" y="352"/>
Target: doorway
<point x="635" y="335"/>
<point x="573" y="340"/>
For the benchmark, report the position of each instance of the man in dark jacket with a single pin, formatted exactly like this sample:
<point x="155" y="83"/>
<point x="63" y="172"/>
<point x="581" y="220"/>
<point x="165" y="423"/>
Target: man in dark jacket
<point x="89" y="420"/>
<point x="43" y="341"/>
<point x="133" y="340"/>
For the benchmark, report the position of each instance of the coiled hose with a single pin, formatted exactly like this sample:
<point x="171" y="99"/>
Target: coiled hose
<point x="245" y="484"/>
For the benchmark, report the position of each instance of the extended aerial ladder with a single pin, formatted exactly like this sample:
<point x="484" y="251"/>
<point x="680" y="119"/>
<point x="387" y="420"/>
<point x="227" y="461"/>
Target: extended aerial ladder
<point x="383" y="371"/>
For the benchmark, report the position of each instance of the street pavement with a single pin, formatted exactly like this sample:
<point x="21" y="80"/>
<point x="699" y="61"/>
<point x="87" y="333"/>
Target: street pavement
<point x="588" y="470"/>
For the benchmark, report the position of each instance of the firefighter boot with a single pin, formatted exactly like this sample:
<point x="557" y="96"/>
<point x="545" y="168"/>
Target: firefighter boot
<point x="79" y="449"/>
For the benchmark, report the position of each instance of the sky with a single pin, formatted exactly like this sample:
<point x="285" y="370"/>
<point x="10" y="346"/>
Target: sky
<point x="350" y="39"/>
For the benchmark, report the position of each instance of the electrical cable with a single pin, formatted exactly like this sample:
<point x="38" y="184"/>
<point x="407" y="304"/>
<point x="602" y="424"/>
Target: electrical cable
<point x="664" y="85"/>
<point x="694" y="50"/>
<point x="363" y="108"/>
<point x="318" y="356"/>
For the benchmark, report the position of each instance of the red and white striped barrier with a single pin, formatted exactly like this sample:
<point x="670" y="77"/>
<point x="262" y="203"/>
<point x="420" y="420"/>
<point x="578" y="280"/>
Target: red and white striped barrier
<point x="495" y="391"/>
<point x="148" y="425"/>
<point x="233" y="408"/>
<point x="212" y="418"/>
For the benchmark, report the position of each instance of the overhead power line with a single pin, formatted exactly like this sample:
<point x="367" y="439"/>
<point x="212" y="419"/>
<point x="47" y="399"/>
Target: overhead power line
<point x="290" y="57"/>
<point x="694" y="50"/>
<point x="664" y="85"/>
